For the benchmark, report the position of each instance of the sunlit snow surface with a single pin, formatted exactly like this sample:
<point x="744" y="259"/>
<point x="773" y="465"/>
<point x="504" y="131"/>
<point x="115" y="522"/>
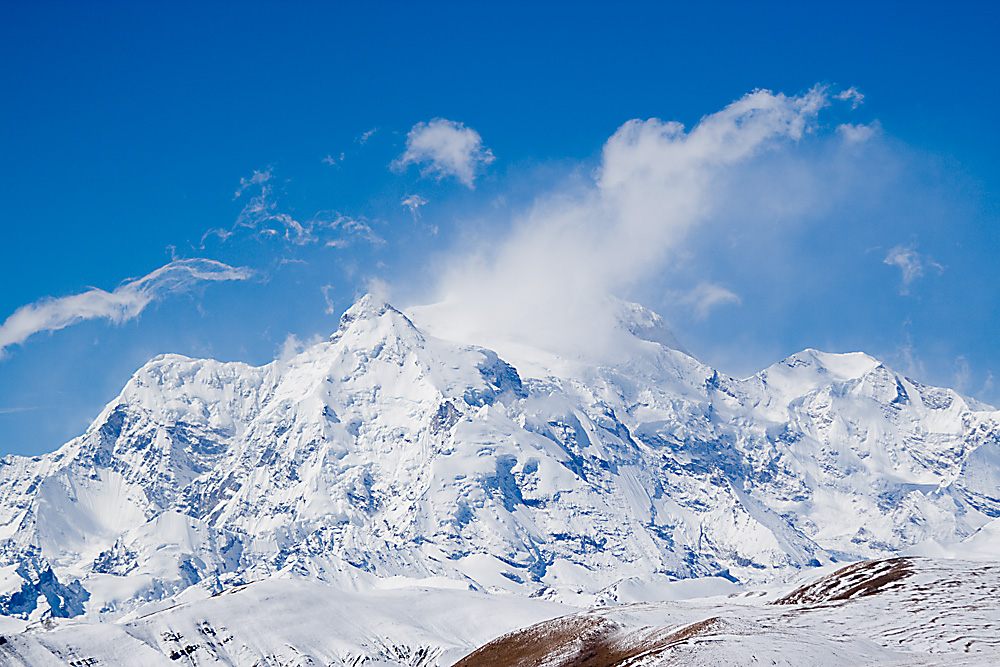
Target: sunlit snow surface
<point x="388" y="462"/>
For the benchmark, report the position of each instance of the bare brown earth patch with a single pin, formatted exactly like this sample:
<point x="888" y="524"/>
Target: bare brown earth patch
<point x="854" y="581"/>
<point x="580" y="641"/>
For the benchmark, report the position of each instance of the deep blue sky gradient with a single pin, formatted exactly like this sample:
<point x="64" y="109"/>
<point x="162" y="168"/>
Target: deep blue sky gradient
<point x="125" y="129"/>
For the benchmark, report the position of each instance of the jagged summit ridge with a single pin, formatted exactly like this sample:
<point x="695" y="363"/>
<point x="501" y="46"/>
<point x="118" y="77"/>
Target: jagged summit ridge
<point x="386" y="453"/>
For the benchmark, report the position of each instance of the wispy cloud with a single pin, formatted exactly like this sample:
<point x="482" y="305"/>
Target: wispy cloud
<point x="851" y="95"/>
<point x="13" y="411"/>
<point x="549" y="279"/>
<point x="258" y="178"/>
<point x="911" y="263"/>
<point x="363" y="139"/>
<point x="413" y="203"/>
<point x="123" y="303"/>
<point x="962" y="374"/>
<point x="445" y="148"/>
<point x="906" y="358"/>
<point x="263" y="218"/>
<point x="705" y="297"/>
<point x="344" y="229"/>
<point x="330" y="308"/>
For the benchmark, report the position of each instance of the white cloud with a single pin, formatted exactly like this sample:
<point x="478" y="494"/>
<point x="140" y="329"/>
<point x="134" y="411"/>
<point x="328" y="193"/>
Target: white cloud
<point x="911" y="263"/>
<point x="123" y="303"/>
<point x="859" y="133"/>
<point x="549" y="280"/>
<point x="706" y="296"/>
<point x="345" y="229"/>
<point x="363" y="139"/>
<point x="906" y="359"/>
<point x="258" y="178"/>
<point x="413" y="202"/>
<point x="11" y="411"/>
<point x="262" y="217"/>
<point x="330" y="309"/>
<point x="852" y="95"/>
<point x="292" y="346"/>
<point x="333" y="161"/>
<point x="445" y="148"/>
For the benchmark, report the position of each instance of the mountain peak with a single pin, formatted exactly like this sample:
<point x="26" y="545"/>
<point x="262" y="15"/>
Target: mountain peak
<point x="370" y="310"/>
<point x="368" y="306"/>
<point x="646" y="325"/>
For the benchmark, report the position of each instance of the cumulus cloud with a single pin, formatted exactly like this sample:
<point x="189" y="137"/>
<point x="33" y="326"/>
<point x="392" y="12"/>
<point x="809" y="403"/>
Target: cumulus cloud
<point x="445" y="148"/>
<point x="123" y="303"/>
<point x="911" y="263"/>
<point x="549" y="280"/>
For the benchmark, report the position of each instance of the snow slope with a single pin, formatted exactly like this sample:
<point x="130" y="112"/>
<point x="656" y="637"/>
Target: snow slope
<point x="902" y="611"/>
<point x="284" y="622"/>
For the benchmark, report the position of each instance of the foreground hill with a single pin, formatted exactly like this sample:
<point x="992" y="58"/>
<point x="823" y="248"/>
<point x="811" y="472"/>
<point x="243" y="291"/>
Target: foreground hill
<point x="901" y="611"/>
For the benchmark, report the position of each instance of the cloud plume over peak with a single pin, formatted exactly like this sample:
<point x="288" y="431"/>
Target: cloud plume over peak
<point x="550" y="278"/>
<point x="123" y="303"/>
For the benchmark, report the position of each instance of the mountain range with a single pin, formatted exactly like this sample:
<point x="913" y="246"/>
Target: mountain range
<point x="398" y="471"/>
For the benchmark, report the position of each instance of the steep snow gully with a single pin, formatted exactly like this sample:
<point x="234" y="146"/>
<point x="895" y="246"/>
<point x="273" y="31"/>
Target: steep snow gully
<point x="419" y="482"/>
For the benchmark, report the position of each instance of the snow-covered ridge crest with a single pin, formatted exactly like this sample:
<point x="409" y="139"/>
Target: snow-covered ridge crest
<point x="369" y="312"/>
<point x="645" y="325"/>
<point x="386" y="456"/>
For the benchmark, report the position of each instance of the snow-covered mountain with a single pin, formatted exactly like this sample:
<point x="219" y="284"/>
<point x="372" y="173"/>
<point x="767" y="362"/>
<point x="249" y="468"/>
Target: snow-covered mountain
<point x="386" y="457"/>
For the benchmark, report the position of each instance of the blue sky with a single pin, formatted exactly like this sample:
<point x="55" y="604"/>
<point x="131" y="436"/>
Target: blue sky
<point x="127" y="129"/>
